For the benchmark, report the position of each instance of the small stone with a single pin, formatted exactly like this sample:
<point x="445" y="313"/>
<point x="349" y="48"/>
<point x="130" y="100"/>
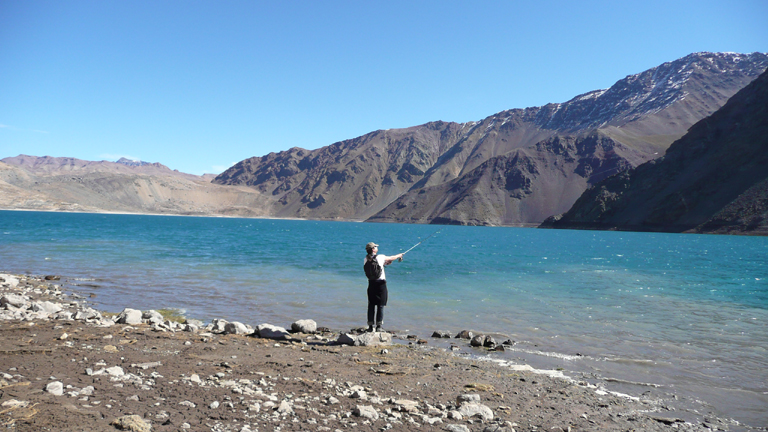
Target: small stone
<point x="366" y="411"/>
<point x="304" y="326"/>
<point x="465" y="334"/>
<point x="214" y="405"/>
<point x="441" y="334"/>
<point x="132" y="423"/>
<point x="55" y="388"/>
<point x="473" y="409"/>
<point x="115" y="371"/>
<point x="285" y="408"/>
<point x="110" y="348"/>
<point x="477" y="341"/>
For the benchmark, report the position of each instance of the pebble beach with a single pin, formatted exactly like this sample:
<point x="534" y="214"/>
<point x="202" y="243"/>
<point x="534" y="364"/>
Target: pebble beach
<point x="68" y="367"/>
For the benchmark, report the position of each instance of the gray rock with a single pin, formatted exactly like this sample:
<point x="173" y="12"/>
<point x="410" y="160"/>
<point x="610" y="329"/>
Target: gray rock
<point x="236" y="328"/>
<point x="304" y="326"/>
<point x="284" y="408"/>
<point x="477" y="341"/>
<point x="197" y="323"/>
<point x="405" y="405"/>
<point x="366" y="411"/>
<point x="456" y="428"/>
<point x="489" y="342"/>
<point x="468" y="397"/>
<point x="502" y="428"/>
<point x="55" y="388"/>
<point x="269" y="331"/>
<point x="217" y="325"/>
<point x="15" y="300"/>
<point x="46" y="306"/>
<point x="465" y="334"/>
<point x="152" y="316"/>
<point x="474" y="409"/>
<point x="441" y="334"/>
<point x="190" y="327"/>
<point x="127" y="316"/>
<point x="10" y="281"/>
<point x="365" y="339"/>
<point x="132" y="423"/>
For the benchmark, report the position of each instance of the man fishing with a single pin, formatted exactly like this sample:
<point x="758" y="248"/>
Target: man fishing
<point x="377" y="283"/>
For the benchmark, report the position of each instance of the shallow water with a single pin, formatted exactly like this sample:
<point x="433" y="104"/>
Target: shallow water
<point x="645" y="314"/>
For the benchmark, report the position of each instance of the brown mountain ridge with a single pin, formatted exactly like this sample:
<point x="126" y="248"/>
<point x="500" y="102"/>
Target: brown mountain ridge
<point x="713" y="180"/>
<point x="515" y="167"/>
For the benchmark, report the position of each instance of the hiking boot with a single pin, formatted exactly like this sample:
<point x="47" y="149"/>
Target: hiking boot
<point x="379" y="328"/>
<point x="370" y="329"/>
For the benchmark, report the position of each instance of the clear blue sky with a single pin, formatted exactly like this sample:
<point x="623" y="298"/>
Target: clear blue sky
<point x="200" y="85"/>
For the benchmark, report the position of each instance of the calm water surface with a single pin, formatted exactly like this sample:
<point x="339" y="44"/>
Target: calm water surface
<point x="648" y="315"/>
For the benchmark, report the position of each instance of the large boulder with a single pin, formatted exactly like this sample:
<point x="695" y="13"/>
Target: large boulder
<point x="365" y="339"/>
<point x="129" y="316"/>
<point x="270" y="331"/>
<point x="304" y="326"/>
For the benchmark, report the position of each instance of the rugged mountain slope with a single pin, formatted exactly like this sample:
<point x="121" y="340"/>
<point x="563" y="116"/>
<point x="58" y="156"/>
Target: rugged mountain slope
<point x="610" y="130"/>
<point x="714" y="179"/>
<point x="349" y="179"/>
<point x="429" y="173"/>
<point x="46" y="183"/>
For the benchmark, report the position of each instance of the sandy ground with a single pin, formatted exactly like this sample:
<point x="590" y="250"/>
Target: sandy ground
<point x="132" y="377"/>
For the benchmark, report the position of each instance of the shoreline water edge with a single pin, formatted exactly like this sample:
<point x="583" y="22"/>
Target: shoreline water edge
<point x="67" y="366"/>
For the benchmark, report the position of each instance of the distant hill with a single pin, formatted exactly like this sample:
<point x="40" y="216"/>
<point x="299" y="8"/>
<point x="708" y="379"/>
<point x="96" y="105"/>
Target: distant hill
<point x="712" y="180"/>
<point x="69" y="184"/>
<point x="515" y="167"/>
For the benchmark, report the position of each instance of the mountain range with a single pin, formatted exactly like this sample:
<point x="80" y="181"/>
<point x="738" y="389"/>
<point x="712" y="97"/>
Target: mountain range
<point x="516" y="167"/>
<point x="713" y="180"/>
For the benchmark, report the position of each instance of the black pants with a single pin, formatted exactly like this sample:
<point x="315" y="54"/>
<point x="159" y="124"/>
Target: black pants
<point x="377" y="299"/>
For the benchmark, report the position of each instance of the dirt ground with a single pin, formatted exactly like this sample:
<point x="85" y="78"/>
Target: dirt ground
<point x="135" y="378"/>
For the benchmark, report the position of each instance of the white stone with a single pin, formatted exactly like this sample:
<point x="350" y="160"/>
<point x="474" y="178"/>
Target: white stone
<point x="304" y="326"/>
<point x="115" y="371"/>
<point x="471" y="409"/>
<point x="270" y="331"/>
<point x="366" y="411"/>
<point x="366" y="339"/>
<point x="284" y="408"/>
<point x="15" y="300"/>
<point x="127" y="316"/>
<point x="10" y="280"/>
<point x="236" y="328"/>
<point x="55" y="388"/>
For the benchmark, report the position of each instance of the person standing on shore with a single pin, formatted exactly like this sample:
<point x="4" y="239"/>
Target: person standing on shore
<point x="377" y="284"/>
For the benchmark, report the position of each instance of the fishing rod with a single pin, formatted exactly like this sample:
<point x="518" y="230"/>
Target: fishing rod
<point x="414" y="246"/>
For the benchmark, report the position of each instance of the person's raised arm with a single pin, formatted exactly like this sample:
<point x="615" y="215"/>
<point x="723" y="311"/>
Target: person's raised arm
<point x="390" y="259"/>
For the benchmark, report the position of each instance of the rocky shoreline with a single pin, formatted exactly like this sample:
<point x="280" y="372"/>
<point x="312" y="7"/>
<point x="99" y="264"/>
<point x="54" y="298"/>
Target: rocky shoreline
<point x="68" y="367"/>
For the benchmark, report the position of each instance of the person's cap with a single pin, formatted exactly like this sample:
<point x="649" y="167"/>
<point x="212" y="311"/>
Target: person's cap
<point x="369" y="247"/>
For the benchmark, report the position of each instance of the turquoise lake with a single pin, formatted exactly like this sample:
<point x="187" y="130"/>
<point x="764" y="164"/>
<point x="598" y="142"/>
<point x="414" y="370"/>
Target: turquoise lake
<point x="648" y="315"/>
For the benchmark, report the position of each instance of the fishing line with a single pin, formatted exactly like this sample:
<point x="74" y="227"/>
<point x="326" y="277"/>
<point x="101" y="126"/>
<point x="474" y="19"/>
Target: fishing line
<point x="412" y="247"/>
